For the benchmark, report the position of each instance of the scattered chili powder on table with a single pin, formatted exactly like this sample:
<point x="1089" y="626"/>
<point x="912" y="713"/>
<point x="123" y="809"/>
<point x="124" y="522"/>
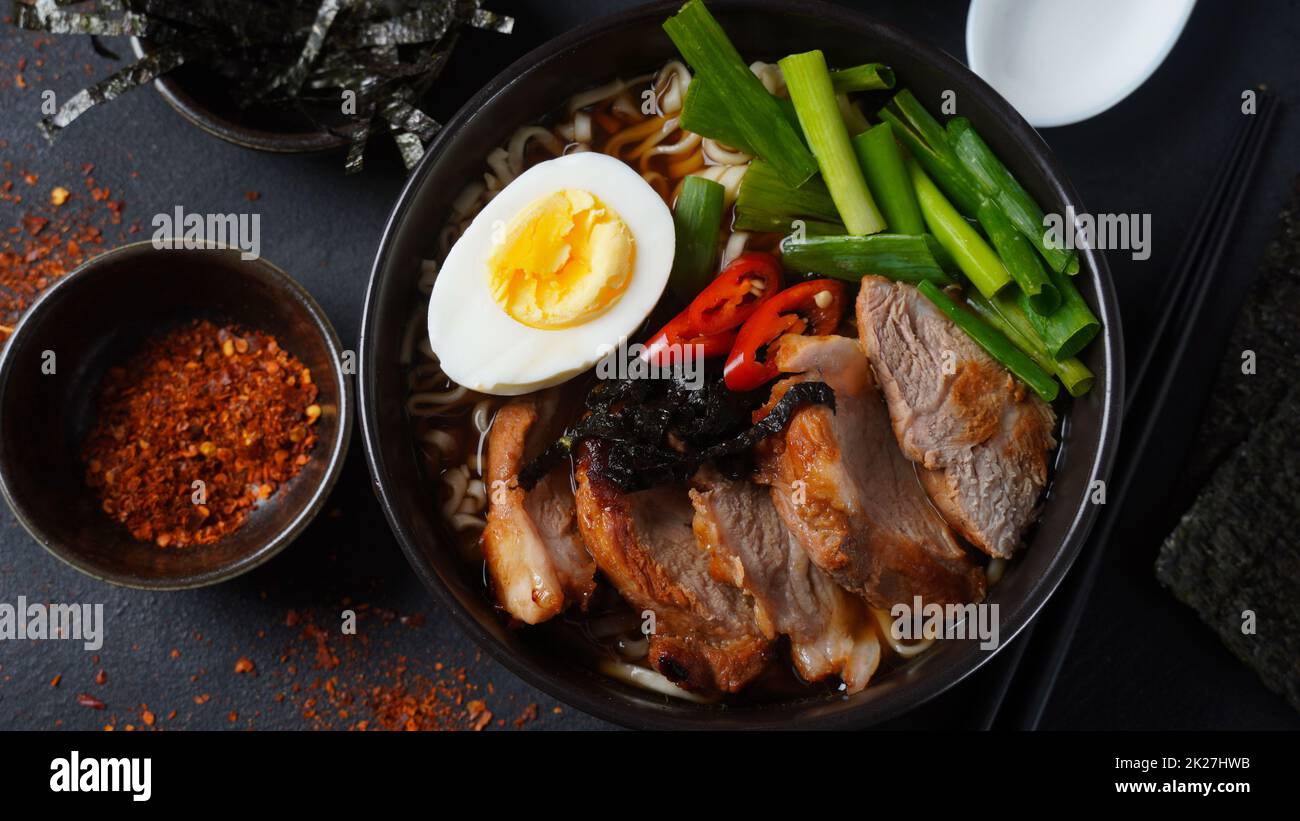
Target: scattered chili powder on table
<point x="86" y="700"/>
<point x="225" y="406"/>
<point x="48" y="241"/>
<point x="361" y="683"/>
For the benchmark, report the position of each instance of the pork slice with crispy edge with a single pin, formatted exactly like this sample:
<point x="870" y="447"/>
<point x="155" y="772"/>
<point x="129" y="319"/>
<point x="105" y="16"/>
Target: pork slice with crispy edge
<point x="705" y="637"/>
<point x="830" y="629"/>
<point x="847" y="493"/>
<point x="980" y="438"/>
<point x="535" y="557"/>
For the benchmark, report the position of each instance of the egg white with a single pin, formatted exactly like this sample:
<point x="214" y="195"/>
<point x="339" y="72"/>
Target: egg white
<point x="482" y="347"/>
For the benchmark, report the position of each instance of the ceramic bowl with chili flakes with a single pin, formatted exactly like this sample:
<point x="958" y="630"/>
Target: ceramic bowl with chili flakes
<point x="171" y="418"/>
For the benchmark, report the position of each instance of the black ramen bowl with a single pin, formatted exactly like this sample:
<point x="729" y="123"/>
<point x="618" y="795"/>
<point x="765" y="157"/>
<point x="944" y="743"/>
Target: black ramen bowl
<point x="626" y="45"/>
<point x="94" y="318"/>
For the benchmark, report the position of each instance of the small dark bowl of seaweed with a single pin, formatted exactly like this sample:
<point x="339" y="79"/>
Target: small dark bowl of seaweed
<point x="302" y="77"/>
<point x="283" y="76"/>
<point x="205" y="100"/>
<point x="627" y="45"/>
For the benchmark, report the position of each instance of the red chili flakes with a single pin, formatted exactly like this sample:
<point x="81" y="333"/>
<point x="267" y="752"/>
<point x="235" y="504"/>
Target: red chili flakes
<point x="479" y="715"/>
<point x="203" y="699"/>
<point x="326" y="659"/>
<point x="244" y="665"/>
<point x="529" y="714"/>
<point x="43" y="244"/>
<point x="353" y="682"/>
<point x="54" y="682"/>
<point x="147" y="717"/>
<point x="252" y="196"/>
<point x="101" y="677"/>
<point x="86" y="700"/>
<point x="195" y="429"/>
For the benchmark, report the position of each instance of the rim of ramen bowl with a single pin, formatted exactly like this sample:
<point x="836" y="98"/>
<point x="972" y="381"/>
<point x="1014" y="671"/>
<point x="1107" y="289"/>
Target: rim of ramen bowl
<point x="610" y="700"/>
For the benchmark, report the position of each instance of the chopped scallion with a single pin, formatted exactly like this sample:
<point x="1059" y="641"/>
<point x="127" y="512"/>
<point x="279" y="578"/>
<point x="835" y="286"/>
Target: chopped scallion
<point x="758" y="121"/>
<point x="697" y="218"/>
<point x="809" y="82"/>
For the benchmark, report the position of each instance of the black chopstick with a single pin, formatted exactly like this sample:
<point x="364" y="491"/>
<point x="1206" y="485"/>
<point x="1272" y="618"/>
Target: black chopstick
<point x="1177" y="287"/>
<point x="1020" y="702"/>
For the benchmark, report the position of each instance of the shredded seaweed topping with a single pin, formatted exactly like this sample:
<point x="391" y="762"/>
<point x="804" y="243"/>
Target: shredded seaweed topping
<point x="341" y="64"/>
<point x="656" y="431"/>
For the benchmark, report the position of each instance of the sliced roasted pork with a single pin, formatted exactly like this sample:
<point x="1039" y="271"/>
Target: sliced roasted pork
<point x="534" y="553"/>
<point x="849" y="496"/>
<point x="705" y="637"/>
<point x="749" y="546"/>
<point x="981" y="438"/>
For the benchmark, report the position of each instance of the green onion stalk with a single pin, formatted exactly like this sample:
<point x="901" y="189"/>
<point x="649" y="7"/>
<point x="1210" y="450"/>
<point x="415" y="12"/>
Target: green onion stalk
<point x="994" y="342"/>
<point x="809" y="82"/>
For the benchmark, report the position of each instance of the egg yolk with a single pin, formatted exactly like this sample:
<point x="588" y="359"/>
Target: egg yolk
<point x="563" y="260"/>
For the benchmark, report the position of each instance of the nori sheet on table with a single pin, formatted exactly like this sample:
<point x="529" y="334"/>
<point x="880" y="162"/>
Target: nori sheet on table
<point x="1238" y="547"/>
<point x="1269" y="325"/>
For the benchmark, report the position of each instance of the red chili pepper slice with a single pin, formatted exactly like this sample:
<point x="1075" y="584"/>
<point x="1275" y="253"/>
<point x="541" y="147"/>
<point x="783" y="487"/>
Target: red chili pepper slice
<point x="748" y="281"/>
<point x="796" y="310"/>
<point x="664" y="347"/>
<point x="712" y="317"/>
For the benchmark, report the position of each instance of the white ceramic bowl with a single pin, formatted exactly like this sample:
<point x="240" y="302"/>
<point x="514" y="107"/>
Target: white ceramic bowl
<point x="1062" y="61"/>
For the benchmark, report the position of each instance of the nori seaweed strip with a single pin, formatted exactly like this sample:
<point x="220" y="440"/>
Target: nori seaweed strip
<point x="419" y="25"/>
<point x="637" y="428"/>
<point x="291" y="79"/>
<point x="408" y="145"/>
<point x="797" y="395"/>
<point x="358" y="139"/>
<point x="411" y="127"/>
<point x="334" y="75"/>
<point x="491" y="21"/>
<point x="44" y="16"/>
<point x="401" y="114"/>
<point x="248" y="21"/>
<point x="142" y="71"/>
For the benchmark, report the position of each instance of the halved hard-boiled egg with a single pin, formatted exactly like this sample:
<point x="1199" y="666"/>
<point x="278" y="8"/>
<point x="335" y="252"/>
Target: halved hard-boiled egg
<point x="561" y="265"/>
